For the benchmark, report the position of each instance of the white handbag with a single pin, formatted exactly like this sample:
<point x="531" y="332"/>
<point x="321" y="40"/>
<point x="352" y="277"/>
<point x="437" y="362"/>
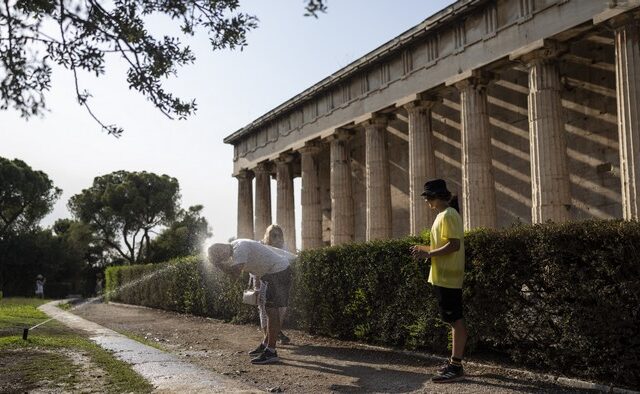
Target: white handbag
<point x="250" y="297"/>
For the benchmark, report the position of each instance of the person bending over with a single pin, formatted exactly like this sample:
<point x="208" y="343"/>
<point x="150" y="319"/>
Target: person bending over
<point x="273" y="236"/>
<point x="271" y="266"/>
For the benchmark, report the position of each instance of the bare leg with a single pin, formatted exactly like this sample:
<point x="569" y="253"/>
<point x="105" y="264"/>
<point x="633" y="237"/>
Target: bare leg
<point x="262" y="310"/>
<point x="459" y="331"/>
<point x="273" y="326"/>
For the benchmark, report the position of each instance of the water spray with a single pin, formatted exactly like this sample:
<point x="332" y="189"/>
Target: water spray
<point x="25" y="331"/>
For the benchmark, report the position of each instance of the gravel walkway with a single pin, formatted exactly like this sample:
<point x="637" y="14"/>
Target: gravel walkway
<point x="309" y="364"/>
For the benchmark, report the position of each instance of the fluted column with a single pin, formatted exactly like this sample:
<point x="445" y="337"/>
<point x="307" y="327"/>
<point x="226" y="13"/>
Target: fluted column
<point x="478" y="187"/>
<point x="285" y="210"/>
<point x="627" y="41"/>
<point x="342" y="219"/>
<point x="422" y="163"/>
<point x="311" y="208"/>
<point x="263" y="199"/>
<point x="245" y="205"/>
<point x="377" y="180"/>
<point x="550" y="187"/>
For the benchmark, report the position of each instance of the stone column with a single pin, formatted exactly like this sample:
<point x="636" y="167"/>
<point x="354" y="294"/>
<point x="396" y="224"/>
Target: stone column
<point x="422" y="163"/>
<point x="285" y="209"/>
<point x="478" y="187"/>
<point x="550" y="187"/>
<point x="245" y="205"/>
<point x="377" y="178"/>
<point x="342" y="219"/>
<point x="311" y="208"/>
<point x="263" y="198"/>
<point x="627" y="41"/>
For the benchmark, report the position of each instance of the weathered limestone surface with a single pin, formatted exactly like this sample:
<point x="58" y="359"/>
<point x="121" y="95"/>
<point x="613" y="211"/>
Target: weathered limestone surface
<point x="550" y="187"/>
<point x="310" y="196"/>
<point x="245" y="205"/>
<point x="285" y="209"/>
<point x="627" y="45"/>
<point x="398" y="148"/>
<point x="557" y="128"/>
<point x="444" y="46"/>
<point x="324" y="175"/>
<point x="478" y="188"/>
<point x="342" y="226"/>
<point x="422" y="162"/>
<point x="263" y="199"/>
<point x="377" y="173"/>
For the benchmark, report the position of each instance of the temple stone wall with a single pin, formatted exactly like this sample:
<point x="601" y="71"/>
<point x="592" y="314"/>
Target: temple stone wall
<point x="548" y="74"/>
<point x="399" y="176"/>
<point x="589" y="102"/>
<point x="359" y="185"/>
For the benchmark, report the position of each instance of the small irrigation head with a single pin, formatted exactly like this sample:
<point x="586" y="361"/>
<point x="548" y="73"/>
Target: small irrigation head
<point x="25" y="333"/>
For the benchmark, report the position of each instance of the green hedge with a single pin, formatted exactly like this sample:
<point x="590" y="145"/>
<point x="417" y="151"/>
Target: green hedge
<point x="187" y="285"/>
<point x="565" y="297"/>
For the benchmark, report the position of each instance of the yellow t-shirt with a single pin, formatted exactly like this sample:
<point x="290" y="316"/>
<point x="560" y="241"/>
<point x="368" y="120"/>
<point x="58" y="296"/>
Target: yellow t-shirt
<point x="447" y="270"/>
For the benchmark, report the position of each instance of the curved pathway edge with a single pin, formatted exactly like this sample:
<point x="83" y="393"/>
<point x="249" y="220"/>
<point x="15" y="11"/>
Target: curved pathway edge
<point x="164" y="371"/>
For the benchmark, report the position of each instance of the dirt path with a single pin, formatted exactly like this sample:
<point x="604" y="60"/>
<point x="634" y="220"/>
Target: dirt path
<point x="309" y="364"/>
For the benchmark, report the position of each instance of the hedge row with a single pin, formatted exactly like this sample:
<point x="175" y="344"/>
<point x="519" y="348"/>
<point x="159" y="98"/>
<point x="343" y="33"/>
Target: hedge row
<point x="563" y="297"/>
<point x="187" y="285"/>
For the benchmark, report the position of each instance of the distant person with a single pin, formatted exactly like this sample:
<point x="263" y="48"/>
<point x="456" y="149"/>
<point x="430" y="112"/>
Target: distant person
<point x="273" y="267"/>
<point x="99" y="284"/>
<point x="447" y="270"/>
<point x="40" y="281"/>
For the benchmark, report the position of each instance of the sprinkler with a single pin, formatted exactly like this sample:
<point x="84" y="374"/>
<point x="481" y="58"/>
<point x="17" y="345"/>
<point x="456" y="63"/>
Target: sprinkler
<point x="25" y="333"/>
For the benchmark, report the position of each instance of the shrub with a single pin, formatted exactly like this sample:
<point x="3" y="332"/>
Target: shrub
<point x="564" y="297"/>
<point x="187" y="285"/>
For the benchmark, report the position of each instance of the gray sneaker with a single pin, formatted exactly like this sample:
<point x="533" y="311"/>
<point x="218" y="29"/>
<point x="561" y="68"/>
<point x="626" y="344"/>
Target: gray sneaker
<point x="258" y="351"/>
<point x="452" y="373"/>
<point x="267" y="357"/>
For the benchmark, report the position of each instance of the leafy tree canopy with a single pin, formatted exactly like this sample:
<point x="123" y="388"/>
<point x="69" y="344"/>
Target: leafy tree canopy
<point x="81" y="34"/>
<point x="123" y="208"/>
<point x="26" y="196"/>
<point x="81" y="242"/>
<point x="184" y="237"/>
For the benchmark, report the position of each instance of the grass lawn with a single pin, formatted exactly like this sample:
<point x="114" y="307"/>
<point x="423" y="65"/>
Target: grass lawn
<point x="56" y="358"/>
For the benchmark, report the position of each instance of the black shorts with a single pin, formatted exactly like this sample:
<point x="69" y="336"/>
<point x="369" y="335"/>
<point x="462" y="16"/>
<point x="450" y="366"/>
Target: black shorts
<point x="278" y="286"/>
<point x="450" y="303"/>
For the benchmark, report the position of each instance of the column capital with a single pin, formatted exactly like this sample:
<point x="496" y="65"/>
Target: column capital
<point x="550" y="50"/>
<point x="477" y="79"/>
<point x="263" y="168"/>
<point x="312" y="148"/>
<point x="340" y="134"/>
<point x="377" y="120"/>
<point x="284" y="158"/>
<point x="244" y="174"/>
<point x="422" y="104"/>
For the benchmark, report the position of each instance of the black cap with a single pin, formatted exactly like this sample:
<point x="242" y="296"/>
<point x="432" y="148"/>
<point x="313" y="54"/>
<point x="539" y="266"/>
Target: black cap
<point x="435" y="187"/>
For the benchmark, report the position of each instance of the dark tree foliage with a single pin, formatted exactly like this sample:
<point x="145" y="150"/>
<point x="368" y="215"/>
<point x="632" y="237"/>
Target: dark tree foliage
<point x="26" y="196"/>
<point x="314" y="7"/>
<point x="81" y="34"/>
<point x="58" y="257"/>
<point x="82" y="242"/>
<point x="123" y="208"/>
<point x="184" y="237"/>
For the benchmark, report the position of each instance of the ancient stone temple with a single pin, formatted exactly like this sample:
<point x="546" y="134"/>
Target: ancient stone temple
<point x="529" y="109"/>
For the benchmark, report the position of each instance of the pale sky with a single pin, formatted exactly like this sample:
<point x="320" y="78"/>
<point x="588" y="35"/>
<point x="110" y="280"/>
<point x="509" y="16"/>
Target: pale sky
<point x="286" y="54"/>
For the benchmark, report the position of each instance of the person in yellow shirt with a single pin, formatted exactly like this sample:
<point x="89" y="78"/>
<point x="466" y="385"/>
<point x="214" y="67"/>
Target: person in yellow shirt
<point x="447" y="270"/>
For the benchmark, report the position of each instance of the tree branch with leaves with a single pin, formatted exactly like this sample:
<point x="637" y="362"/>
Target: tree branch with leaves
<point x="80" y="35"/>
